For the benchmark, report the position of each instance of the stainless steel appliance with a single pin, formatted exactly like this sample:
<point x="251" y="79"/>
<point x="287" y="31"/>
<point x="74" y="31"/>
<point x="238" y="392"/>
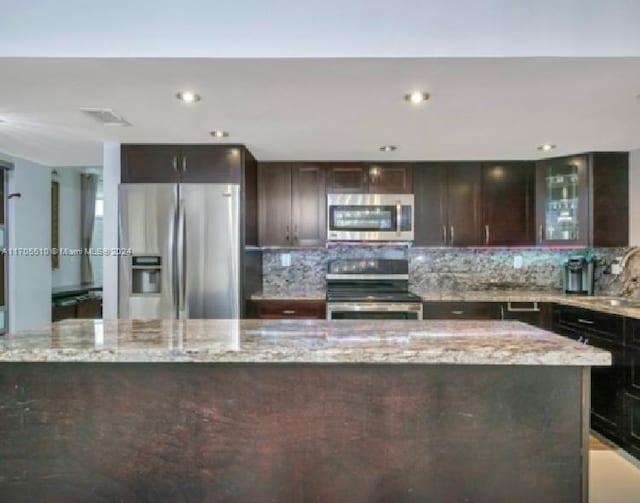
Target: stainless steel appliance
<point x="578" y="275"/>
<point x="371" y="289"/>
<point x="186" y="254"/>
<point x="370" y="217"/>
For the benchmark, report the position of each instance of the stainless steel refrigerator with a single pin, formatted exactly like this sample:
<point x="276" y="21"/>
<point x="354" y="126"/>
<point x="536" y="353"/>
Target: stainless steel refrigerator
<point x="185" y="242"/>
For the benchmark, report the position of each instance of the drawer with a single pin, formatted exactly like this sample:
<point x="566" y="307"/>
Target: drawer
<point x="632" y="333"/>
<point x="609" y="327"/>
<point x="458" y="310"/>
<point x="285" y="309"/>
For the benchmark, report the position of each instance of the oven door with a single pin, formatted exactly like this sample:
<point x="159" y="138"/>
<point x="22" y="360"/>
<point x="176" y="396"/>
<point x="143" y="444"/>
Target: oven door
<point x="373" y="311"/>
<point x="370" y="217"/>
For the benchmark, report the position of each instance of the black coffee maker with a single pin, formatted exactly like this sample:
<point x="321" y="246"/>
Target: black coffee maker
<point x="578" y="275"/>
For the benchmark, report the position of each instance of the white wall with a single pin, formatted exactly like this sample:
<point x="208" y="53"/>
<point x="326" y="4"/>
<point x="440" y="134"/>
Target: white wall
<point x="111" y="179"/>
<point x="634" y="198"/>
<point x="29" y="226"/>
<point x="68" y="273"/>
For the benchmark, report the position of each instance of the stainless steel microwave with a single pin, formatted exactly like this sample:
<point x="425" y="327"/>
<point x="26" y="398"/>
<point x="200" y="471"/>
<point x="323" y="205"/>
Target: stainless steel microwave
<point x="370" y="217"/>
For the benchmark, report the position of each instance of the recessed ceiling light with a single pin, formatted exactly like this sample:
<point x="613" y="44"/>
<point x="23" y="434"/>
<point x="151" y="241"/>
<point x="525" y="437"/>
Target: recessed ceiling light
<point x="217" y="133"/>
<point x="546" y="147"/>
<point x="388" y="148"/>
<point x="416" y="97"/>
<point x="188" y="96"/>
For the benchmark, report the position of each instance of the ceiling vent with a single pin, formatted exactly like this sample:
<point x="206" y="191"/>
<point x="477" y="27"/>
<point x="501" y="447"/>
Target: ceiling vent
<point x="105" y="116"/>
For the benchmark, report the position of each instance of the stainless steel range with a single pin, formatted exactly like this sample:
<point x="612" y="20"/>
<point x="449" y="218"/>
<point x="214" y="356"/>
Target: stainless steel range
<point x="371" y="289"/>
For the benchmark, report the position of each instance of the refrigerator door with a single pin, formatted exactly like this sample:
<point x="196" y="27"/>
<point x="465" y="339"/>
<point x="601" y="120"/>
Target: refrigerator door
<point x="210" y="270"/>
<point x="146" y="278"/>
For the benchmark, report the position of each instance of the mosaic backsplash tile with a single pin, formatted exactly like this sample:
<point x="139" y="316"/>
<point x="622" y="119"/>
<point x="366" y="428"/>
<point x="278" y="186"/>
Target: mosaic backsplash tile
<point x="450" y="270"/>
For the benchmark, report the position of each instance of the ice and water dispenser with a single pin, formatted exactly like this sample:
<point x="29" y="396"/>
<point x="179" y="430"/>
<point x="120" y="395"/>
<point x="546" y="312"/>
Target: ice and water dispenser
<point x="146" y="273"/>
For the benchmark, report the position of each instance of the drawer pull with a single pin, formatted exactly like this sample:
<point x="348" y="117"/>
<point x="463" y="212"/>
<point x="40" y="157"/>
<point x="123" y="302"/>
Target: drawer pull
<point x="586" y="322"/>
<point x="289" y="311"/>
<point x="457" y="312"/>
<point x="533" y="309"/>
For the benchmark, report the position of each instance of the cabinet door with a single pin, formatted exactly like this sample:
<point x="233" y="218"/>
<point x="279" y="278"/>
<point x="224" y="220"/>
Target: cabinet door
<point x="308" y="205"/>
<point x="607" y="392"/>
<point x="610" y="198"/>
<point x="464" y="203"/>
<point x="430" y="189"/>
<point x="210" y="164"/>
<point x="347" y="178"/>
<point x="150" y="164"/>
<point x="274" y="204"/>
<point x="562" y="201"/>
<point x="632" y="423"/>
<point x="508" y="203"/>
<point x="390" y="178"/>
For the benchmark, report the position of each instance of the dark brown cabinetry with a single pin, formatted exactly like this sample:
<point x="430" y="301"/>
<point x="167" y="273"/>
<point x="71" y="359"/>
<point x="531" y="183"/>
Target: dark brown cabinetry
<point x="292" y="204"/>
<point x="444" y="310"/>
<point x="287" y="309"/>
<point x="448" y="203"/>
<point x="373" y="178"/>
<point x="604" y="331"/>
<point x="182" y="163"/>
<point x="508" y="203"/>
<point x="583" y="200"/>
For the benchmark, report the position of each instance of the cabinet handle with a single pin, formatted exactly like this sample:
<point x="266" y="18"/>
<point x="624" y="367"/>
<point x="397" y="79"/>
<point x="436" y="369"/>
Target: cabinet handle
<point x="487" y="234"/>
<point x="444" y="234"/>
<point x="457" y="312"/>
<point x="453" y="235"/>
<point x="286" y="229"/>
<point x="586" y="322"/>
<point x="502" y="312"/>
<point x="184" y="164"/>
<point x="295" y="233"/>
<point x="174" y="163"/>
<point x="540" y="233"/>
<point x="289" y="311"/>
<point x="533" y="309"/>
<point x="580" y="339"/>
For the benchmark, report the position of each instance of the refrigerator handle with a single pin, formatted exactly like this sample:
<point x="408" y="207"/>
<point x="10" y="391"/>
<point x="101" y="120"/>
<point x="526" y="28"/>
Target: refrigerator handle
<point x="181" y="257"/>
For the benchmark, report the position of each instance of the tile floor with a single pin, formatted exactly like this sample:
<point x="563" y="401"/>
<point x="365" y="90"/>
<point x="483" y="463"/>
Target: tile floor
<point x="614" y="475"/>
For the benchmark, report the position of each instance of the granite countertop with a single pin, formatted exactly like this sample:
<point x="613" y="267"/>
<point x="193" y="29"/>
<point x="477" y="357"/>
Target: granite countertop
<point x="298" y="341"/>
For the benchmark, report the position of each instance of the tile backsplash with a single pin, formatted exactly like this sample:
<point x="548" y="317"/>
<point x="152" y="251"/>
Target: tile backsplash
<point x="449" y="270"/>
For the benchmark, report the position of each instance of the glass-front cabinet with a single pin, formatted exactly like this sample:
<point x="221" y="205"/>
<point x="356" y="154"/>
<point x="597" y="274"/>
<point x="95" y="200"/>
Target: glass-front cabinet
<point x="562" y="201"/>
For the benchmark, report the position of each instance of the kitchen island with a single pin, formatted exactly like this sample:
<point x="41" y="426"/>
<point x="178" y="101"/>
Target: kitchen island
<point x="257" y="410"/>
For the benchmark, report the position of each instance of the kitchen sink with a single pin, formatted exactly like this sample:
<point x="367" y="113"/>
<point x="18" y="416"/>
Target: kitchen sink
<point x="619" y="302"/>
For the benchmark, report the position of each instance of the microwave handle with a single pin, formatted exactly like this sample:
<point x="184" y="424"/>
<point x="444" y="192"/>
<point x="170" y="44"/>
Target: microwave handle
<point x="398" y="217"/>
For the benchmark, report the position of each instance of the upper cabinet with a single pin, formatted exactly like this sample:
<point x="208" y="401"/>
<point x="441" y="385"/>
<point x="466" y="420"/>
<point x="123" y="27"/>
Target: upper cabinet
<point x="372" y="178"/>
<point x="152" y="163"/>
<point x="508" y="202"/>
<point x="291" y="204"/>
<point x="447" y="203"/>
<point x="583" y="200"/>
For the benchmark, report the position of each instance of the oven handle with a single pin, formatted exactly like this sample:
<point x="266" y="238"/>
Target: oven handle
<point x="374" y="307"/>
<point x="398" y="217"/>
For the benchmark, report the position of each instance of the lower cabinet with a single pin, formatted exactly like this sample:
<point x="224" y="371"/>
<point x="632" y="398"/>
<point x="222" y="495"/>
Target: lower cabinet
<point x="533" y="313"/>
<point x="615" y="390"/>
<point x="286" y="309"/>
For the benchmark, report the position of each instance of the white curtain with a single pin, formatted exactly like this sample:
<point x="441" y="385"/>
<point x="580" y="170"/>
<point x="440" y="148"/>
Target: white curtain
<point x="88" y="187"/>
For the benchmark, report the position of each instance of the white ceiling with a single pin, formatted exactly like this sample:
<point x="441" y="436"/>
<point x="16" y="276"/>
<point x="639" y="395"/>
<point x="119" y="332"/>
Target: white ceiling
<point x="324" y="109"/>
<point x="328" y="28"/>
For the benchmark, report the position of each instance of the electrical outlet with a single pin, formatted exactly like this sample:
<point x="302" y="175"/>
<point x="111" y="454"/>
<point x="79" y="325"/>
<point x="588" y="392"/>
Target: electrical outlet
<point x="517" y="262"/>
<point x="285" y="259"/>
